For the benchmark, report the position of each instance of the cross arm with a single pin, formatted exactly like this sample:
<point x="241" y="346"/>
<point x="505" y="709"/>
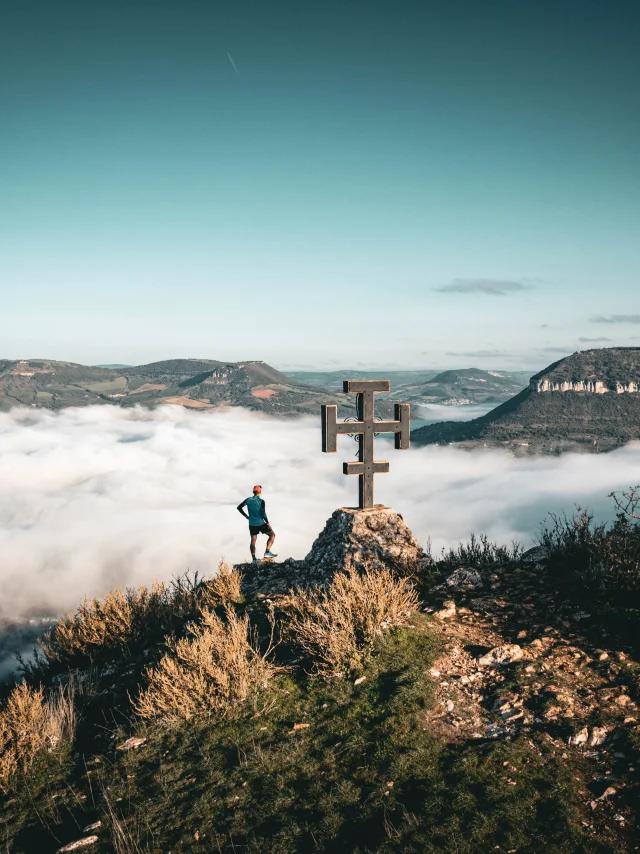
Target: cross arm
<point x="378" y="467"/>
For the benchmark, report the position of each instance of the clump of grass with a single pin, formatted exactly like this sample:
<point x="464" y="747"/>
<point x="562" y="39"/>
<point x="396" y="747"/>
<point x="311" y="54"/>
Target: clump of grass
<point x="31" y="724"/>
<point x="212" y="671"/>
<point x="337" y="628"/>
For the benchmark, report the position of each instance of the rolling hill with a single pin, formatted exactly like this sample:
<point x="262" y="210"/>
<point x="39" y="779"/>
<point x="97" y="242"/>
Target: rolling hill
<point x="194" y="383"/>
<point x="588" y="401"/>
<point x="460" y="386"/>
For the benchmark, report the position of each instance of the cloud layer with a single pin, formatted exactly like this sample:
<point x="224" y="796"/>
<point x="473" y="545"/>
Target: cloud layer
<point x="616" y="318"/>
<point x="491" y="287"/>
<point x="94" y="497"/>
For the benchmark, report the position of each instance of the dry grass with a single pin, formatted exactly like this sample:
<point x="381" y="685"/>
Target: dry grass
<point x="223" y="588"/>
<point x="215" y="669"/>
<point x="126" y="618"/>
<point x="337" y="628"/>
<point x="118" y="619"/>
<point x="30" y="724"/>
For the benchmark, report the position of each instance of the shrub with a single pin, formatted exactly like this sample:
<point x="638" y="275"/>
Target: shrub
<point x="337" y="628"/>
<point x="600" y="560"/>
<point x="29" y="724"/>
<point x="121" y="618"/>
<point x="126" y="618"/>
<point x="216" y="668"/>
<point x="223" y="588"/>
<point x="479" y="553"/>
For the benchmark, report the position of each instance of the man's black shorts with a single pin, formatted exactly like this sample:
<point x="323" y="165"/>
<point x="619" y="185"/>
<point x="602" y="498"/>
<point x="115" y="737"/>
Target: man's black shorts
<point x="260" y="529"/>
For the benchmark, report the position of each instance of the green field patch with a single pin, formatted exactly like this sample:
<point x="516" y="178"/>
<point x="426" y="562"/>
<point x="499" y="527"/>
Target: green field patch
<point x="108" y="386"/>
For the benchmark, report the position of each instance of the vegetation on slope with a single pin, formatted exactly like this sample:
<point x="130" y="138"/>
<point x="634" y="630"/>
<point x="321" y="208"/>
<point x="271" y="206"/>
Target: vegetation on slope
<point x="350" y="730"/>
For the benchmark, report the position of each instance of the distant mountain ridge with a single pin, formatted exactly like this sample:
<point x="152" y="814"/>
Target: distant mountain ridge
<point x="589" y="400"/>
<point x="452" y="387"/>
<point x="194" y="383"/>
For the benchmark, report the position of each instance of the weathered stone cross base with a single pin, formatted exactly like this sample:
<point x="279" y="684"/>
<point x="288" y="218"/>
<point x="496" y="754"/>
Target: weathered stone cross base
<point x="375" y="537"/>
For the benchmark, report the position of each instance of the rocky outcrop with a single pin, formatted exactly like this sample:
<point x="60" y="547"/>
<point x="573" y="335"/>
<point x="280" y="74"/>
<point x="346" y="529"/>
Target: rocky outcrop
<point x="357" y="538"/>
<point x="352" y="538"/>
<point x="592" y="386"/>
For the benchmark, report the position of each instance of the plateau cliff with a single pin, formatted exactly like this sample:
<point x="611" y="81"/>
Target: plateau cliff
<point x="587" y="401"/>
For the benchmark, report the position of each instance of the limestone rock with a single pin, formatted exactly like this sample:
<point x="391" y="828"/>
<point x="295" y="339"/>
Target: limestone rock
<point x="79" y="844"/>
<point x="131" y="743"/>
<point x="598" y="736"/>
<point x="357" y="538"/>
<point x="579" y="738"/>
<point x="448" y="610"/>
<point x="506" y="654"/>
<point x="463" y="579"/>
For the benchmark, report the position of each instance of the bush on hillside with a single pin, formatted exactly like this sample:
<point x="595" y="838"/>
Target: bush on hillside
<point x="596" y="560"/>
<point x="31" y="724"/>
<point x="214" y="670"/>
<point x="124" y="619"/>
<point x="223" y="588"/>
<point x="338" y="628"/>
<point x="479" y="553"/>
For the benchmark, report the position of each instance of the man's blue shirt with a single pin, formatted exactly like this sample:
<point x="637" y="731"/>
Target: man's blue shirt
<point x="256" y="509"/>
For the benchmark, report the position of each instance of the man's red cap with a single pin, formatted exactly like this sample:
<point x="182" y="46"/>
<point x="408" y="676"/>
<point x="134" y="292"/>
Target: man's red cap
<point x="257" y="486"/>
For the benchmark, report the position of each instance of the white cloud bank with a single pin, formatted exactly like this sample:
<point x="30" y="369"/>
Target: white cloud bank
<point x="94" y="497"/>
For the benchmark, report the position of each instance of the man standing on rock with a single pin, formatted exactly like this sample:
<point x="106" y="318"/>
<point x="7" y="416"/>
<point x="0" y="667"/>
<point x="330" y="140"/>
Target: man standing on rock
<point x="258" y="522"/>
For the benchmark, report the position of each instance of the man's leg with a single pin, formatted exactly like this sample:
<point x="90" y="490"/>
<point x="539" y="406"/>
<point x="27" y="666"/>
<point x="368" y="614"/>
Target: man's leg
<point x="254" y="538"/>
<point x="272" y="537"/>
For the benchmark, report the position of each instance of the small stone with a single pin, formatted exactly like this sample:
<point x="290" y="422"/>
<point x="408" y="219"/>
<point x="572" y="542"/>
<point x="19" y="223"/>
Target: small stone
<point x="449" y="705"/>
<point x="94" y="826"/>
<point x="579" y="738"/>
<point x="435" y="673"/>
<point x="301" y="726"/>
<point x="501" y="655"/>
<point x="622" y="700"/>
<point x="359" y="681"/>
<point x="464" y="579"/>
<point x="131" y="743"/>
<point x="603" y="656"/>
<point x="608" y="793"/>
<point x="598" y="736"/>
<point x="448" y="610"/>
<point x="78" y="844"/>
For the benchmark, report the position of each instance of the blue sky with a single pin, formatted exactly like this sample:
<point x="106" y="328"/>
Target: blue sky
<point x="319" y="184"/>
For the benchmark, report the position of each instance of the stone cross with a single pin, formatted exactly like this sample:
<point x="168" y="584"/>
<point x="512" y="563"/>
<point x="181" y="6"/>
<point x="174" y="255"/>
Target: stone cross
<point x="365" y="428"/>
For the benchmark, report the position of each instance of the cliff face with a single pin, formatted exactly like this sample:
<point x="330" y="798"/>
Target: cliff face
<point x="588" y="401"/>
<point x="593" y="386"/>
<point x="615" y="369"/>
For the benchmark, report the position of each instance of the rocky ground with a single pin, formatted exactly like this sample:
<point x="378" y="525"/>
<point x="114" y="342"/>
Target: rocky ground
<point x="516" y="662"/>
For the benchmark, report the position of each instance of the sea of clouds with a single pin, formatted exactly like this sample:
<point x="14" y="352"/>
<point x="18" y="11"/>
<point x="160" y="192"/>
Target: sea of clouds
<point x="96" y="497"/>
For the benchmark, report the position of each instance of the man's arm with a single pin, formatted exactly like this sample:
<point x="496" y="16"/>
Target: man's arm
<point x="240" y="509"/>
<point x="263" y="510"/>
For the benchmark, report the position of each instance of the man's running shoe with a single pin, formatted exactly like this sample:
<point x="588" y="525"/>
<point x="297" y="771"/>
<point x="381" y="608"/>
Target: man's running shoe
<point x="270" y="554"/>
<point x="255" y="560"/>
